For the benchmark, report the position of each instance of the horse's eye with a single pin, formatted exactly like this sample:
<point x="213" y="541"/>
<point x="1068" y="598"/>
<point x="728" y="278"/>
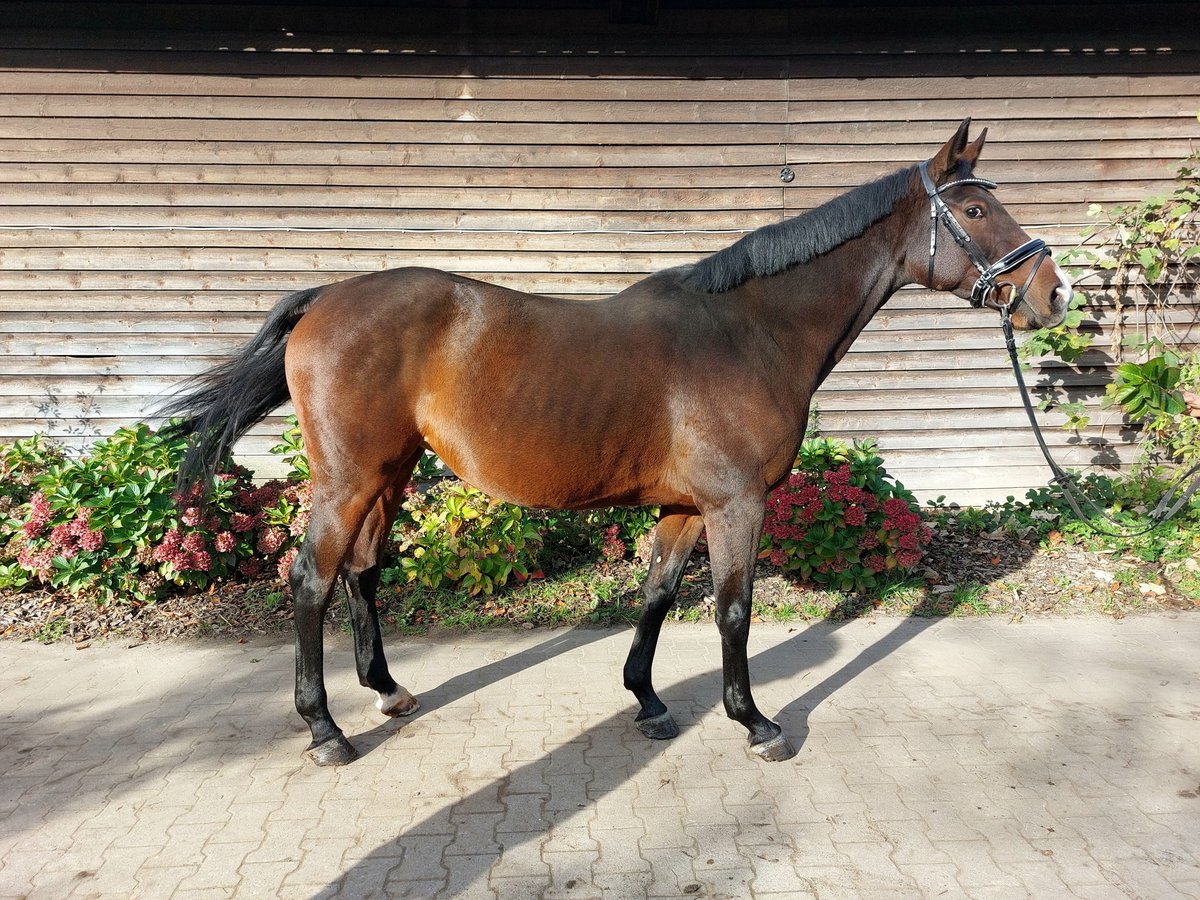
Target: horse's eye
<point x="974" y="212"/>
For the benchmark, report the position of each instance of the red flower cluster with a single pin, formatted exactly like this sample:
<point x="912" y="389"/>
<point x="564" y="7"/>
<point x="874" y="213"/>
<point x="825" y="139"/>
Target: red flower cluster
<point x="821" y="524"/>
<point x="255" y="500"/>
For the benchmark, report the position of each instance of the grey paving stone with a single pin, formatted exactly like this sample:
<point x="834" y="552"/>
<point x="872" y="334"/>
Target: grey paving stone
<point x="936" y="758"/>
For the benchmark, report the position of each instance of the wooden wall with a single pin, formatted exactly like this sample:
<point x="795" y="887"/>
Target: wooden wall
<point x="169" y="170"/>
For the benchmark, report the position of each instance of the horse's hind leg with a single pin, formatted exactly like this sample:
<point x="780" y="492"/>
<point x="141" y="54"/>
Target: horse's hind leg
<point x="338" y="514"/>
<point x="674" y="539"/>
<point x="362" y="582"/>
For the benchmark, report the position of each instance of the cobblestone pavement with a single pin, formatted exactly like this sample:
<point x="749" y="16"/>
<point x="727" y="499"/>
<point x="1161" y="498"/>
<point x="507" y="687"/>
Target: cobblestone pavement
<point x="938" y="758"/>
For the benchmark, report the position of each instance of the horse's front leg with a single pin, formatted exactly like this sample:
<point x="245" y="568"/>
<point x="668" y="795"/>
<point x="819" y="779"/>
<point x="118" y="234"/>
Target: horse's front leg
<point x="674" y="538"/>
<point x="733" y="533"/>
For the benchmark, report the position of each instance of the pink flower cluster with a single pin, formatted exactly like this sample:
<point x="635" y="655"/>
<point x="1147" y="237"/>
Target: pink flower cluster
<point x="66" y="540"/>
<point x="36" y="561"/>
<point x="270" y="540"/>
<point x="39" y="515"/>
<point x="185" y="552"/>
<point x="300" y="495"/>
<point x="613" y="547"/>
<point x="285" y="563"/>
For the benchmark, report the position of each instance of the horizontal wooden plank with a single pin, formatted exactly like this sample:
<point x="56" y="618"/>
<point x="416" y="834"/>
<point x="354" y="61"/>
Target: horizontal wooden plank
<point x="489" y="197"/>
<point x="562" y="109"/>
<point x="397" y="176"/>
<point x="827" y="175"/>
<point x="931" y="132"/>
<point x="1183" y="122"/>
<point x="161" y="149"/>
<point x="566" y="108"/>
<point x="465" y="131"/>
<point x="468" y="86"/>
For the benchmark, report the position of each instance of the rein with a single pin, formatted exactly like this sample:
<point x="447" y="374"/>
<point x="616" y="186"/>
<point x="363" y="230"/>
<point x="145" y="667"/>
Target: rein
<point x="984" y="293"/>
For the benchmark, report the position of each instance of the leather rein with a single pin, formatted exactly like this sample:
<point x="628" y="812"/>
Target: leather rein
<point x="986" y="293"/>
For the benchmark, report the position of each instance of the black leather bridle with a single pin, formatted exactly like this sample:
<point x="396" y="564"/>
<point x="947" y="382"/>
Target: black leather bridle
<point x="986" y="289"/>
<point x="985" y="293"/>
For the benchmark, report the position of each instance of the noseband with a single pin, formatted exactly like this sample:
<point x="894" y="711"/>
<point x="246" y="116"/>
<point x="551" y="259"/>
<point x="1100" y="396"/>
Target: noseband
<point x="986" y="290"/>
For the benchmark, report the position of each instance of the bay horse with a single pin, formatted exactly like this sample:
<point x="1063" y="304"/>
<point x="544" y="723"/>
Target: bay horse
<point x="688" y="391"/>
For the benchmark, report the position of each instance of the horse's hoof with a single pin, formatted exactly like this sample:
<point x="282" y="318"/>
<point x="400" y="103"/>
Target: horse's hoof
<point x="337" y="751"/>
<point x="659" y="728"/>
<point x="399" y="703"/>
<point x="777" y="749"/>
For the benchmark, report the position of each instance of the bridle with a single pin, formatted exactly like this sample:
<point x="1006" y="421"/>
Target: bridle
<point x="984" y="293"/>
<point x="986" y="289"/>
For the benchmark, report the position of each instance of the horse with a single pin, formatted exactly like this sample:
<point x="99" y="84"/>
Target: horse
<point x="688" y="391"/>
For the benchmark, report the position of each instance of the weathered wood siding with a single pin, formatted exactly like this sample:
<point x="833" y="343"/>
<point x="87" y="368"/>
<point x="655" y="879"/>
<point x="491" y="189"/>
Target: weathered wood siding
<point x="169" y="171"/>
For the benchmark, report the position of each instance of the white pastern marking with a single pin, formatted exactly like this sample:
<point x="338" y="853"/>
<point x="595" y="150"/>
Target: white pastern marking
<point x="387" y="701"/>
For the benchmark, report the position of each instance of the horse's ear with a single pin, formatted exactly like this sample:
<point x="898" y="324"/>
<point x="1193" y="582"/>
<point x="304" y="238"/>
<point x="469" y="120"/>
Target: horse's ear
<point x="971" y="154"/>
<point x="947" y="158"/>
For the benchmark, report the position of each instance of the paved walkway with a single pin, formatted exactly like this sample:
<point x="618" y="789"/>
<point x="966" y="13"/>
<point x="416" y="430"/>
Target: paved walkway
<point x="938" y="758"/>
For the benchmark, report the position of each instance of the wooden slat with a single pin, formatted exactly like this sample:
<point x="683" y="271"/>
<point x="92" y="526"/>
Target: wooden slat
<point x="566" y="109"/>
<point x="468" y="86"/>
<point x="828" y="175"/>
<point x="475" y="197"/>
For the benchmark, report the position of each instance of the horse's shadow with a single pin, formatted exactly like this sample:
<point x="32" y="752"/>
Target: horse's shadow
<point x="407" y="856"/>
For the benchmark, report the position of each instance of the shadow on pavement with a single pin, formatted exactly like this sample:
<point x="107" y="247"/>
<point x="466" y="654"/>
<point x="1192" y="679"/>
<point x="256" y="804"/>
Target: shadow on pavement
<point x="409" y="852"/>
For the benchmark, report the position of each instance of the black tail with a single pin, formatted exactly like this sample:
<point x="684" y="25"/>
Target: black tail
<point x="222" y="404"/>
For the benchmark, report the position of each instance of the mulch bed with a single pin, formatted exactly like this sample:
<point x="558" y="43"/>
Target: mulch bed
<point x="961" y="575"/>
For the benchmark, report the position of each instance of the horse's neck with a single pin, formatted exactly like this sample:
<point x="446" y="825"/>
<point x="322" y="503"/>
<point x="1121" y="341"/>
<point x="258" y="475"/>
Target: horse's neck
<point x="818" y="309"/>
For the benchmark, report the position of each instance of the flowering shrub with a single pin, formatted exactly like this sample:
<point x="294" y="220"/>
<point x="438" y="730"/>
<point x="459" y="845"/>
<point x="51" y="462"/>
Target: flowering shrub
<point x="107" y="524"/>
<point x="840" y="520"/>
<point x="457" y="533"/>
<point x="20" y="465"/>
<point x="609" y="533"/>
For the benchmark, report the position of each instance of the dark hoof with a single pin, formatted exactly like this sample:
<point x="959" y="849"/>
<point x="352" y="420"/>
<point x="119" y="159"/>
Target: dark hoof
<point x="659" y="728"/>
<point x="401" y="703"/>
<point x="777" y="749"/>
<point x="337" y="751"/>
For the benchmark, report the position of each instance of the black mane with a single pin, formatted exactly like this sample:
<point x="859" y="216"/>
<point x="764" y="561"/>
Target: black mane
<point x="773" y="248"/>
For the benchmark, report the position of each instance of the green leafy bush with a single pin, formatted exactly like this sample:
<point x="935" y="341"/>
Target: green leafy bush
<point x="840" y="520"/>
<point x="1148" y="257"/>
<point x="455" y="533"/>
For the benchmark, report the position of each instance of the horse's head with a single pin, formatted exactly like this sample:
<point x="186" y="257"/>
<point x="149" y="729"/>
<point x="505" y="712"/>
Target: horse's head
<point x="971" y="246"/>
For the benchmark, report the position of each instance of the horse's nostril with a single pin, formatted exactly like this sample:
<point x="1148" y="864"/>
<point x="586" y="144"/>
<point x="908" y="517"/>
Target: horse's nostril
<point x="1061" y="295"/>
